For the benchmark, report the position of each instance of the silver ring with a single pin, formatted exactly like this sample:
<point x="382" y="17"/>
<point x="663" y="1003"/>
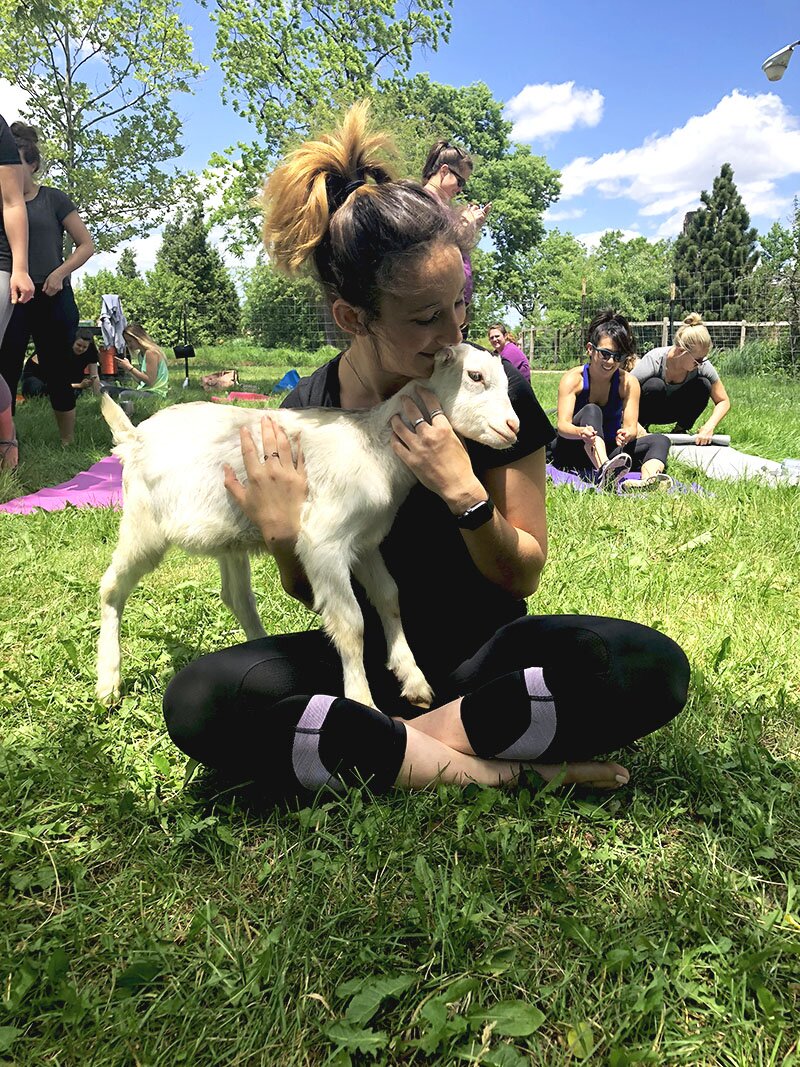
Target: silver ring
<point x="276" y="455"/>
<point x="416" y="423"/>
<point x="438" y="411"/>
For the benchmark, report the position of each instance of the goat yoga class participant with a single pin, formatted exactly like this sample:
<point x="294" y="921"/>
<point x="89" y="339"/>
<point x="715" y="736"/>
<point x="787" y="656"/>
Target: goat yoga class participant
<point x="467" y="546"/>
<point x="598" y="413"/>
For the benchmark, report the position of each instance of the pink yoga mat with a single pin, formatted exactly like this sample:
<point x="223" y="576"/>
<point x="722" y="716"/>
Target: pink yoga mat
<point x="99" y="487"/>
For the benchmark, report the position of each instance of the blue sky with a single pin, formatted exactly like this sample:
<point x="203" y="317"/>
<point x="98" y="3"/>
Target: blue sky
<point x="638" y="105"/>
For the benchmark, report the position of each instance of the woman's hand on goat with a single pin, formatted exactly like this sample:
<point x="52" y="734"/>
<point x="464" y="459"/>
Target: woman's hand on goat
<point x="276" y="486"/>
<point x="432" y="450"/>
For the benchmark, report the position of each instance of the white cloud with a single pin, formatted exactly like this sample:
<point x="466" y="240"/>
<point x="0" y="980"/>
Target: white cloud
<point x="558" y="214"/>
<point x="757" y="135"/>
<point x="12" y="100"/>
<point x="592" y="239"/>
<point x="540" y="111"/>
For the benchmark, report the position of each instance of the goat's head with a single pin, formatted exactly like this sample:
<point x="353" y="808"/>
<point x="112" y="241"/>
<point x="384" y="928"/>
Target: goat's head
<point x="473" y="389"/>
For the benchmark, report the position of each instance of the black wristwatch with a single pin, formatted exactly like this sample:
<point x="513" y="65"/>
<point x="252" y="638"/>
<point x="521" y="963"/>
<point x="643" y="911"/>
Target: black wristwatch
<point x="476" y="516"/>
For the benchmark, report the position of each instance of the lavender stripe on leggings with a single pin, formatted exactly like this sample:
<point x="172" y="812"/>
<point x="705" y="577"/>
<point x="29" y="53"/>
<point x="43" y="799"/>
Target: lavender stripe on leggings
<point x="543" y="720"/>
<point x="310" y="770"/>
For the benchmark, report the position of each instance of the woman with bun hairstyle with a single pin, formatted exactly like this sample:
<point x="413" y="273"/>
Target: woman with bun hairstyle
<point x="51" y="318"/>
<point x="445" y="174"/>
<point x="467" y="546"/>
<point x="677" y="381"/>
<point x="598" y="413"/>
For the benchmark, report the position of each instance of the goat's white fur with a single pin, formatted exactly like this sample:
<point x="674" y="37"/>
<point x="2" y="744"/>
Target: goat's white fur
<point x="174" y="495"/>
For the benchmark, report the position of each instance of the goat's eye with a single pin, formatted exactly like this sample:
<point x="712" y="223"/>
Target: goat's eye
<point x="475" y="375"/>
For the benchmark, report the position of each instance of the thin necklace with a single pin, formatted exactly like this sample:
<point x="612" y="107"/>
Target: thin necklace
<point x="353" y="369"/>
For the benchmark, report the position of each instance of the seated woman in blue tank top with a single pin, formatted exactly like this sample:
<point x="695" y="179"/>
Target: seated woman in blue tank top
<point x="598" y="413"/>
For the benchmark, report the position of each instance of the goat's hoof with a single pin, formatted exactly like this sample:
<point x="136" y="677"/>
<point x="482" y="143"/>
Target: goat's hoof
<point x="418" y="693"/>
<point x="108" y="694"/>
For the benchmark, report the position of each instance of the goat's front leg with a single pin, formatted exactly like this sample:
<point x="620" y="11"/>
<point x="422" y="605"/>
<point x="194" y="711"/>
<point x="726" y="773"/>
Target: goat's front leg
<point x="237" y="593"/>
<point x="381" y="589"/>
<point x="132" y="559"/>
<point x="326" y="568"/>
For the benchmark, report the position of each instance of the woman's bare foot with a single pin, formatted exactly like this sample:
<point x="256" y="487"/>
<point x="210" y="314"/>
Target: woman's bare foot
<point x="428" y="760"/>
<point x="598" y="775"/>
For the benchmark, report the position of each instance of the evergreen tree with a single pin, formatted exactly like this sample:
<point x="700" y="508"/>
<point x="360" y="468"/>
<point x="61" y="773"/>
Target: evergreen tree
<point x="126" y="268"/>
<point x="190" y="276"/>
<point x="716" y="252"/>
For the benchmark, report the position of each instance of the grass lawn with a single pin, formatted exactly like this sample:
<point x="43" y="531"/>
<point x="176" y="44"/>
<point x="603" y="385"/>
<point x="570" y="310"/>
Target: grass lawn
<point x="149" y="922"/>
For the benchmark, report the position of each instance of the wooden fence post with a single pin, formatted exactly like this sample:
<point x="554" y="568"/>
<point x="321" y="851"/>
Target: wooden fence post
<point x="664" y="332"/>
<point x="742" y="335"/>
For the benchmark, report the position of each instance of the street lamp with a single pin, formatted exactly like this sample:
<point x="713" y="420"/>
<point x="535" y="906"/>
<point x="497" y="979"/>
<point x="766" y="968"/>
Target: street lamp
<point x="777" y="63"/>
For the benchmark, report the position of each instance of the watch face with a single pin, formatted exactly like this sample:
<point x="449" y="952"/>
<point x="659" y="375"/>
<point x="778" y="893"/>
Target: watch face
<point x="476" y="516"/>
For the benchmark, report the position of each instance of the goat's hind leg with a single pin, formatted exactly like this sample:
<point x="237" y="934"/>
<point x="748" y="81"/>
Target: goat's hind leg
<point x="134" y="557"/>
<point x="381" y="589"/>
<point x="237" y="593"/>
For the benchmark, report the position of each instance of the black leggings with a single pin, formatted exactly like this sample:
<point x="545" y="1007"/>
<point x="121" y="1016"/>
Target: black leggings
<point x="248" y="710"/>
<point x="52" y="322"/>
<point x="570" y="455"/>
<point x="683" y="406"/>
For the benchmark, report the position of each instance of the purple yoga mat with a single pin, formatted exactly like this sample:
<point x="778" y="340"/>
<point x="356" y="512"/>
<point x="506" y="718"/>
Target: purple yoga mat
<point x="99" y="487"/>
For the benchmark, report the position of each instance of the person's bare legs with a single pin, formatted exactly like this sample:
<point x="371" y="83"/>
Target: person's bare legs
<point x="596" y="451"/>
<point x="450" y="758"/>
<point x="651" y="467"/>
<point x="66" y="425"/>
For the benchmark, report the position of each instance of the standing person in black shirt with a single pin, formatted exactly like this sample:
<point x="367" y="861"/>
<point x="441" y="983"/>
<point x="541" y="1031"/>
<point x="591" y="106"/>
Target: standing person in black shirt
<point x="51" y="318"/>
<point x="15" y="283"/>
<point x="467" y="546"/>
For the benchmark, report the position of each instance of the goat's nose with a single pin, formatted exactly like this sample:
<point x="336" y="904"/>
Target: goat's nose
<point x="513" y="425"/>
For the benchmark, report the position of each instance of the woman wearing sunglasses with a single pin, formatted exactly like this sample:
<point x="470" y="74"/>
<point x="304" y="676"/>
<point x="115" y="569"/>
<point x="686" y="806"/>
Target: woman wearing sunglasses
<point x="598" y="413"/>
<point x="677" y="381"/>
<point x="445" y="174"/>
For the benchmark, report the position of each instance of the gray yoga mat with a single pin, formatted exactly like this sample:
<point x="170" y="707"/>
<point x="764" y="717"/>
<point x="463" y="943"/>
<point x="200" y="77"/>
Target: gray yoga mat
<point x="721" y="439"/>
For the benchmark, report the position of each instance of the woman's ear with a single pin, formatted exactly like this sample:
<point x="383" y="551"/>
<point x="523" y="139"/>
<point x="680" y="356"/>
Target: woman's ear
<point x="348" y="317"/>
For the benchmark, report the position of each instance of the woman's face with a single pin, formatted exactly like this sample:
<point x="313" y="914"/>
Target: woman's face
<point x="80" y="345"/>
<point x="28" y="170"/>
<point x="451" y="180"/>
<point x="601" y="359"/>
<point x="497" y="340"/>
<point x="413" y="326"/>
<point x="690" y="360"/>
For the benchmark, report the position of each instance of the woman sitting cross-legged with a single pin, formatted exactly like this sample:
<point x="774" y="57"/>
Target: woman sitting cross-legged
<point x="598" y="413"/>
<point x="466" y="548"/>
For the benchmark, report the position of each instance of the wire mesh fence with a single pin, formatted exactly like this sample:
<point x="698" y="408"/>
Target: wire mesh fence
<point x="762" y="310"/>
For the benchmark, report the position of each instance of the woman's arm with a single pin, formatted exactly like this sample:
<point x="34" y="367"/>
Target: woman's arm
<point x="631" y="392"/>
<point x="273" y="499"/>
<point x="568" y="389"/>
<point x="722" y="405"/>
<point x="94" y="378"/>
<point x="153" y="357"/>
<point x="83" y="250"/>
<point x="511" y="548"/>
<point x="15" y="223"/>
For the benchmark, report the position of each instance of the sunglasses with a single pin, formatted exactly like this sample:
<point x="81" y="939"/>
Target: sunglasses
<point x="606" y="353"/>
<point x="461" y="181"/>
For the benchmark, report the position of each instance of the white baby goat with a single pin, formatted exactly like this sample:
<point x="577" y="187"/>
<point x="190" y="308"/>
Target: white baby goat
<point x="174" y="495"/>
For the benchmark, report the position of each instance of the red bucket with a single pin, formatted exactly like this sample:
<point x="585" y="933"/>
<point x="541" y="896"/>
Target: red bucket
<point x="107" y="361"/>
